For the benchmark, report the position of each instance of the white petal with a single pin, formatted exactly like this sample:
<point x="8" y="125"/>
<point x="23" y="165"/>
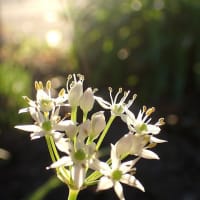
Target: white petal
<point x="103" y="167"/>
<point x="23" y="110"/>
<point x="128" y="165"/>
<point x="149" y="154"/>
<point x="41" y="94"/>
<point x="104" y="183"/>
<point x="29" y="128"/>
<point x="104" y="104"/>
<point x="61" y="99"/>
<point x="57" y="135"/>
<point x="78" y="175"/>
<point x="124" y="144"/>
<point x="114" y="158"/>
<point x="64" y="161"/>
<point x="132" y="181"/>
<point x="119" y="190"/>
<point x="64" y="145"/>
<point x="153" y="129"/>
<point x="156" y="140"/>
<point x="37" y="135"/>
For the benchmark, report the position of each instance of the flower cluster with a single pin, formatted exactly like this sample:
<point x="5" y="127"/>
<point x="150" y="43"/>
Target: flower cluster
<point x="79" y="139"/>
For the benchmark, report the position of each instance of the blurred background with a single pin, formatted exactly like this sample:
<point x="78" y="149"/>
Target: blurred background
<point x="149" y="46"/>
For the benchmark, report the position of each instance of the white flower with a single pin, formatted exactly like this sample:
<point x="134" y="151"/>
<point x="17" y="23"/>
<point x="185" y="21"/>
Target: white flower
<point x="116" y="174"/>
<point x="141" y="123"/>
<point x="44" y="101"/>
<point x="78" y="157"/>
<point x="44" y="125"/>
<point x="117" y="108"/>
<point x="75" y="89"/>
<point x="137" y="145"/>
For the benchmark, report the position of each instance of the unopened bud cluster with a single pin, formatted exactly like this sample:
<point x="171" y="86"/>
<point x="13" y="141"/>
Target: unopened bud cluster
<point x="80" y="141"/>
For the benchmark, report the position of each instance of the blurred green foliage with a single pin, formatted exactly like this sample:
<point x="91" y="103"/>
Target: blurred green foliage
<point x="15" y="82"/>
<point x="151" y="45"/>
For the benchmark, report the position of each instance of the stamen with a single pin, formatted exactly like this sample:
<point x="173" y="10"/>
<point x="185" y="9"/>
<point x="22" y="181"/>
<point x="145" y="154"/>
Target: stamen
<point x="62" y="92"/>
<point x="144" y="108"/>
<point x="111" y="98"/>
<point x="150" y="111"/>
<point x="116" y="96"/>
<point x="161" y="121"/>
<point x="48" y="85"/>
<point x="95" y="90"/>
<point x="40" y="85"/>
<point x="110" y="89"/>
<point x="134" y="97"/>
<point x="74" y="76"/>
<point x="69" y="77"/>
<point x="81" y="77"/>
<point x="37" y="85"/>
<point x="26" y="99"/>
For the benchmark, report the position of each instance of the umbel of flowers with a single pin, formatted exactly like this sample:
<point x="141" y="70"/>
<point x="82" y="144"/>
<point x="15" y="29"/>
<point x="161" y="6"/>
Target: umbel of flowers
<point x="80" y="141"/>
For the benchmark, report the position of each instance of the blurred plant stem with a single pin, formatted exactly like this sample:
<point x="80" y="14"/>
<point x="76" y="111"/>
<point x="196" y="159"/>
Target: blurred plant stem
<point x="43" y="190"/>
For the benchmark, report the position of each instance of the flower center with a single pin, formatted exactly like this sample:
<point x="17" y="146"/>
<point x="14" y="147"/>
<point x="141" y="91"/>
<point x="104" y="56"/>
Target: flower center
<point x="79" y="155"/>
<point x="47" y="126"/>
<point x="118" y="109"/>
<point x="116" y="175"/>
<point x="46" y="105"/>
<point x="143" y="127"/>
<point x="140" y="128"/>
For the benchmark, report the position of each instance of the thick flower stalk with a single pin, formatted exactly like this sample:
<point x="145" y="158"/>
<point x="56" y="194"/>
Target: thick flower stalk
<point x="79" y="138"/>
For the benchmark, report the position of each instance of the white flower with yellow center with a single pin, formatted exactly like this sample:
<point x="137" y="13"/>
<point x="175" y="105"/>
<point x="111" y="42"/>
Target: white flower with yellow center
<point x="116" y="108"/>
<point x="116" y="174"/>
<point x="44" y="124"/>
<point x="78" y="157"/>
<point x="141" y="124"/>
<point x="44" y="101"/>
<point x="134" y="144"/>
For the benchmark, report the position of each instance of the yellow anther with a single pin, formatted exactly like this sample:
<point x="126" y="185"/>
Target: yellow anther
<point x="62" y="92"/>
<point x="37" y="85"/>
<point x="161" y="121"/>
<point x="150" y="111"/>
<point x="26" y="99"/>
<point x="48" y="85"/>
<point x="144" y="108"/>
<point x="40" y="85"/>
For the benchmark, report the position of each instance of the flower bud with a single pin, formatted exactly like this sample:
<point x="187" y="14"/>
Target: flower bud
<point x="84" y="129"/>
<point x="98" y="123"/>
<point x="87" y="100"/>
<point x="69" y="127"/>
<point x="75" y="93"/>
<point x="130" y="144"/>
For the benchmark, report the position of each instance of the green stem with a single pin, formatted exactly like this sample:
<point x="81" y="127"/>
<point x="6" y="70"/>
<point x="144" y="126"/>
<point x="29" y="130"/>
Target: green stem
<point x="54" y="148"/>
<point x="50" y="148"/>
<point x="84" y="116"/>
<point x="74" y="114"/>
<point x="55" y="156"/>
<point x="112" y="117"/>
<point x="73" y="194"/>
